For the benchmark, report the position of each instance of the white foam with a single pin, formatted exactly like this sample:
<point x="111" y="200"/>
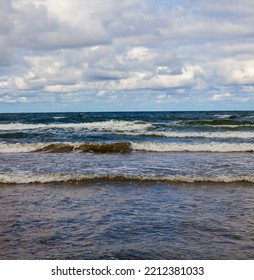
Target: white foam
<point x="223" y="116"/>
<point x="185" y="147"/>
<point x="142" y="146"/>
<point x="172" y="134"/>
<point x="30" y="178"/>
<point x="112" y="125"/>
<point x="20" y="148"/>
<point x="31" y="147"/>
<point x="227" y="125"/>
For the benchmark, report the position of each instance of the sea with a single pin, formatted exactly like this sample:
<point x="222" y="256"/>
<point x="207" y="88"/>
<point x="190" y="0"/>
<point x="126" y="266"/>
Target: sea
<point x="127" y="185"/>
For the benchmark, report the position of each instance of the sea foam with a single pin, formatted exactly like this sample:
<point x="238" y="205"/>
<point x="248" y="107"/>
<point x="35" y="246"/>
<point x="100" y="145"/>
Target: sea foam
<point x="112" y="125"/>
<point x="125" y="147"/>
<point x="42" y="178"/>
<point x="172" y="134"/>
<point x="196" y="147"/>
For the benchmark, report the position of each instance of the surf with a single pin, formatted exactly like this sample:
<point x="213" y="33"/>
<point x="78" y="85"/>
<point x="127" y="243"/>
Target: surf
<point x="125" y="147"/>
<point x="40" y="178"/>
<point x="112" y="125"/>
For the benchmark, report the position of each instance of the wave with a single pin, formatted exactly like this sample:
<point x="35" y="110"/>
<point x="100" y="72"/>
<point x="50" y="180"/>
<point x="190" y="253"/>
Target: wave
<point x="40" y="178"/>
<point x="225" y="116"/>
<point x="119" y="147"/>
<point x="218" y="122"/>
<point x="197" y="147"/>
<point x="126" y="147"/>
<point x="138" y="128"/>
<point x="230" y="126"/>
<point x="172" y="134"/>
<point x="112" y="125"/>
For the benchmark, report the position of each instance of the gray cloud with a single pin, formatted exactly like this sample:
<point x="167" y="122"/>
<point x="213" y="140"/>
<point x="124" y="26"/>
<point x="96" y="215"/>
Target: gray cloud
<point x="76" y="47"/>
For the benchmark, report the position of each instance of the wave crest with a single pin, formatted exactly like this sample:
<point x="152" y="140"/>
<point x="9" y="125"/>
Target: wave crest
<point x="197" y="147"/>
<point x="72" y="178"/>
<point x="126" y="147"/>
<point x="172" y="134"/>
<point x="120" y="147"/>
<point x="112" y="125"/>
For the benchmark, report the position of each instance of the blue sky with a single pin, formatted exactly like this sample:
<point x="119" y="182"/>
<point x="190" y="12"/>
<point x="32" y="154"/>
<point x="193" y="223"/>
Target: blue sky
<point x="127" y="55"/>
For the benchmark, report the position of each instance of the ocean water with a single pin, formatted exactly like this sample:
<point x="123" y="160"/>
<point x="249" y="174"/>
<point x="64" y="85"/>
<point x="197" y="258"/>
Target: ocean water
<point x="129" y="185"/>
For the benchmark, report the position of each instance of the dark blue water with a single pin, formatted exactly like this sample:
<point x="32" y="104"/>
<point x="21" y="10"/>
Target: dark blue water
<point x="127" y="126"/>
<point x="134" y="185"/>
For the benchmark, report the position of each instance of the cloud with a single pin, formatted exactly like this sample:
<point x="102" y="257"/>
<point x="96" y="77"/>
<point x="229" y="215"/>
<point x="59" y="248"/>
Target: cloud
<point x="87" y="49"/>
<point x="101" y="93"/>
<point x="221" y="96"/>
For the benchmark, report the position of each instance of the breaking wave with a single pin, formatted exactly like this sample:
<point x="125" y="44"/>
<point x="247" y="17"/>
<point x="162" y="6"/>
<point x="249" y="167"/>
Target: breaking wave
<point x="172" y="134"/>
<point x="126" y="147"/>
<point x="225" y="116"/>
<point x="112" y="125"/>
<point x="72" y="178"/>
<point x="140" y="128"/>
<point x="120" y="147"/>
<point x="197" y="147"/>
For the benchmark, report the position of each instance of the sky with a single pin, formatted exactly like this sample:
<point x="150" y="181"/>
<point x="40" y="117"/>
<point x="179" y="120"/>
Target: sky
<point x="128" y="55"/>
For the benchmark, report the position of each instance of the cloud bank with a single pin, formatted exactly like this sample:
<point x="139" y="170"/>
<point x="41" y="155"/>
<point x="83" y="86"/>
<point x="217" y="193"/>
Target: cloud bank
<point x="126" y="55"/>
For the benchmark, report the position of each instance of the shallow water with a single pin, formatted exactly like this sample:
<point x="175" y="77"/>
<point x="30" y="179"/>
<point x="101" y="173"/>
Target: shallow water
<point x="124" y="220"/>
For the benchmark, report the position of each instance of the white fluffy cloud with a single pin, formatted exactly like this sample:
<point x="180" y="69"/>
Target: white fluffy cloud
<point x="175" y="50"/>
<point x="220" y="96"/>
